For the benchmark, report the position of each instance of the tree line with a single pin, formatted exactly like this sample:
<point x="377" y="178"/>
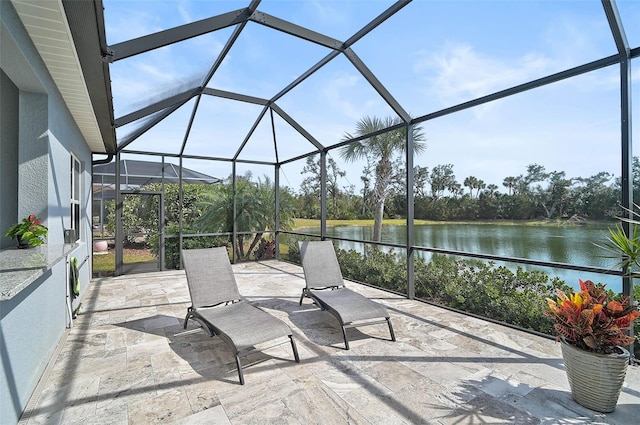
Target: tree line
<point x="438" y="193"/>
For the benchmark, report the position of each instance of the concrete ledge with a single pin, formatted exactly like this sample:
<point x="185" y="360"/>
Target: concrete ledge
<point x="20" y="267"/>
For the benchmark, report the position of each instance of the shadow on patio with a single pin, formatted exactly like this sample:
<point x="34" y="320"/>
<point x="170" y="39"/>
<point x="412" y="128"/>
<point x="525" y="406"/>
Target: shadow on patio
<point x="127" y="360"/>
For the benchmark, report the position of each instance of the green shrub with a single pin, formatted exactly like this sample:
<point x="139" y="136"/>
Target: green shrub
<point x="517" y="298"/>
<point x="374" y="267"/>
<point x="172" y="245"/>
<point x="293" y="252"/>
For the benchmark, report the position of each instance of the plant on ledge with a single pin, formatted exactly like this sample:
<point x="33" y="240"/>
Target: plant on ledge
<point x="591" y="319"/>
<point x="28" y="232"/>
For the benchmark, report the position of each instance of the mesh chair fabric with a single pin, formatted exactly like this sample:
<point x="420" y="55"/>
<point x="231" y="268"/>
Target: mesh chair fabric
<point x="320" y="264"/>
<point x="244" y="324"/>
<point x="210" y="276"/>
<point x="350" y="306"/>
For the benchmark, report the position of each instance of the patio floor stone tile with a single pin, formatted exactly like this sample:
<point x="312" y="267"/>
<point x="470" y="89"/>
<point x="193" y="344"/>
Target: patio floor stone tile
<point x="163" y="408"/>
<point x="128" y="360"/>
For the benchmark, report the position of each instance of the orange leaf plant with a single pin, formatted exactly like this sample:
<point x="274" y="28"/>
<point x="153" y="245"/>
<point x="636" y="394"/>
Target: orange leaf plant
<point x="591" y="319"/>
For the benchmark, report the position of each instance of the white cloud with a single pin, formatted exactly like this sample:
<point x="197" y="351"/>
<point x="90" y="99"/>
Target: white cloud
<point x="329" y="13"/>
<point x="335" y="93"/>
<point x="156" y="73"/>
<point x="124" y="21"/>
<point x="183" y="10"/>
<point x="461" y="73"/>
<point x="573" y="40"/>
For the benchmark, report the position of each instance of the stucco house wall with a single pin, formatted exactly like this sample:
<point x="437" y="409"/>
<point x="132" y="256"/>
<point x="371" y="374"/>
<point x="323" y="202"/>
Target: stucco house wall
<point x="38" y="137"/>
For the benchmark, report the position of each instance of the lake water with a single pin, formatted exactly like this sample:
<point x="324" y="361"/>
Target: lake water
<point x="562" y="244"/>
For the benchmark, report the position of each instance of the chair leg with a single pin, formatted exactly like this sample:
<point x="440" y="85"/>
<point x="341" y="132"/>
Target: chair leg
<point x="295" y="349"/>
<point x="240" y="374"/>
<point x="393" y="335"/>
<point x="344" y="334"/>
<point x="304" y="292"/>
<point x="186" y="319"/>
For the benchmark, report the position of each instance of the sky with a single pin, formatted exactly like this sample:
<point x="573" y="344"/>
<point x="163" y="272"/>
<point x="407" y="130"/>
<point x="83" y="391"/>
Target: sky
<point x="430" y="55"/>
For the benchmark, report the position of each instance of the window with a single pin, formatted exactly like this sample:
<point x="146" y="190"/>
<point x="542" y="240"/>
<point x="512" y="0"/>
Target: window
<point x="75" y="197"/>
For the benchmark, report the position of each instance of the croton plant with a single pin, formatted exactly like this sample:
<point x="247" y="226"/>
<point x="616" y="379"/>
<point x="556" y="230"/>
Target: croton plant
<point x="592" y="319"/>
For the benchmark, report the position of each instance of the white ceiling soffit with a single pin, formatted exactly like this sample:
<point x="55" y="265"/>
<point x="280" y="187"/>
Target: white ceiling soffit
<point x="47" y="25"/>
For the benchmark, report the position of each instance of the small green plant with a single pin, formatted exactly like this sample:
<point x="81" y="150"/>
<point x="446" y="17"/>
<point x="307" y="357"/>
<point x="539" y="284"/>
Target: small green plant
<point x="625" y="247"/>
<point x="28" y="231"/>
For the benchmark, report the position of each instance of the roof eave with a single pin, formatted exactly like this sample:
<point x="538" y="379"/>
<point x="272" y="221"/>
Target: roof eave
<point x="75" y="29"/>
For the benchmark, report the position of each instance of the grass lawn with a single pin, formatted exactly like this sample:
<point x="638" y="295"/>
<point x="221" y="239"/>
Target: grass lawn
<point x="107" y="262"/>
<point x="306" y="222"/>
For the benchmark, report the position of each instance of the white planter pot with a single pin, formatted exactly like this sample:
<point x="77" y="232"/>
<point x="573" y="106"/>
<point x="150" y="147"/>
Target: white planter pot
<point x="100" y="246"/>
<point x="595" y="379"/>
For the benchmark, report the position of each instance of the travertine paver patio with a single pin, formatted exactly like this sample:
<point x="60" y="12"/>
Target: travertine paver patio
<point x="127" y="360"/>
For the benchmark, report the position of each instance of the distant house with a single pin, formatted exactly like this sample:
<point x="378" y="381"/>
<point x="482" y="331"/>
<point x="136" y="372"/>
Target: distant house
<point x="55" y="111"/>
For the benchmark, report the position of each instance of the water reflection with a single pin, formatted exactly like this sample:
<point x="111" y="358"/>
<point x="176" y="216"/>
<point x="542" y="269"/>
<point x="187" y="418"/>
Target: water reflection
<point x="563" y="244"/>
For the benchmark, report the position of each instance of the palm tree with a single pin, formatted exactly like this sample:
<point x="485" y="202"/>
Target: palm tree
<point x="472" y="183"/>
<point x="509" y="183"/>
<point x="255" y="210"/>
<point x="382" y="149"/>
<point x="491" y="190"/>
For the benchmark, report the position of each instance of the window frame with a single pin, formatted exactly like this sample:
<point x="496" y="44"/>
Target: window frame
<point x="76" y="195"/>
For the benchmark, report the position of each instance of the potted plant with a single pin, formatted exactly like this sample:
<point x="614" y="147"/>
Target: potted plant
<point x="28" y="232"/>
<point x="593" y="326"/>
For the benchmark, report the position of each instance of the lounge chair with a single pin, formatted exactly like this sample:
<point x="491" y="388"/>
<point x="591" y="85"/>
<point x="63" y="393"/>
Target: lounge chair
<point x="218" y="307"/>
<point x="325" y="286"/>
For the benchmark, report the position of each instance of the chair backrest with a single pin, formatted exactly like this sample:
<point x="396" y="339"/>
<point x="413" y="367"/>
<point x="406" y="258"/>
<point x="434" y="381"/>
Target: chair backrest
<point x="209" y="276"/>
<point x="320" y="264"/>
